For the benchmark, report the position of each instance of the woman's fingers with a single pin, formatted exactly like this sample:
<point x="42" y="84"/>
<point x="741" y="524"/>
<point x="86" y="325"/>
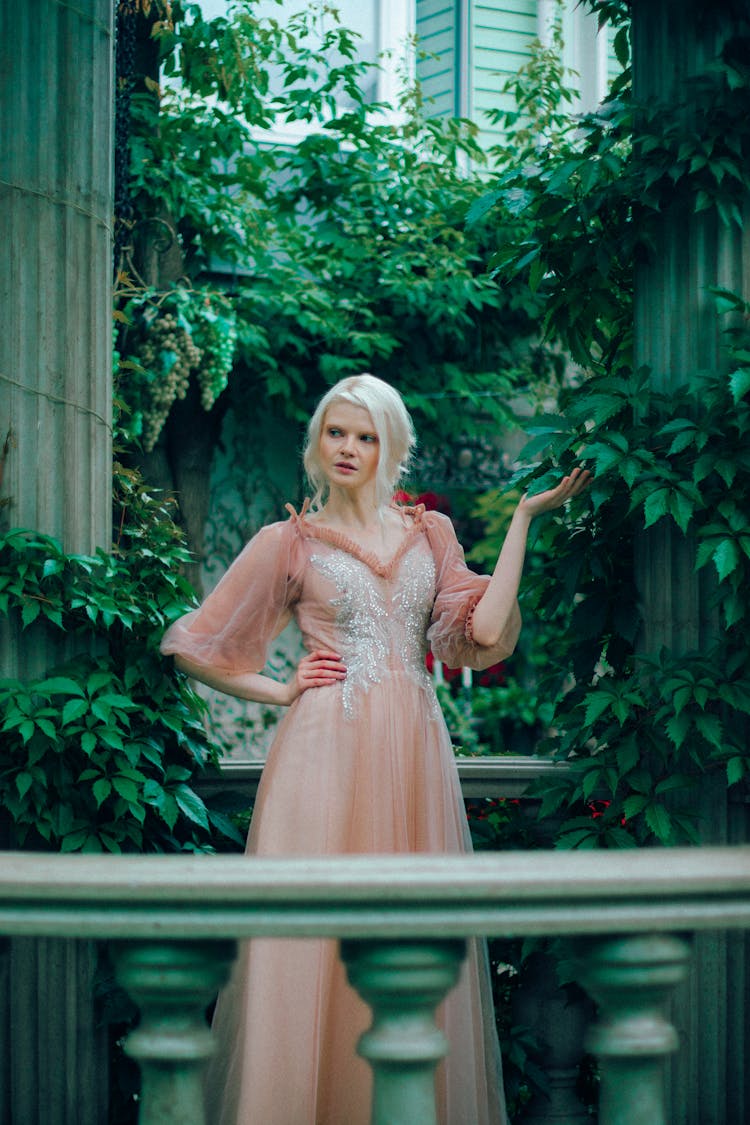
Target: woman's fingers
<point x="320" y="668"/>
<point x="571" y="485"/>
<point x="578" y="480"/>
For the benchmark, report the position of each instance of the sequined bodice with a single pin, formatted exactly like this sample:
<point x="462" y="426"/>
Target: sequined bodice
<point x="380" y="619"/>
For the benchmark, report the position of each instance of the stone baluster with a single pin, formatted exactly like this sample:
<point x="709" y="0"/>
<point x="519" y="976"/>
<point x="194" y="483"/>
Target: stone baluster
<point x="403" y="982"/>
<point x="558" y="1020"/>
<point x="172" y="983"/>
<point x="631" y="978"/>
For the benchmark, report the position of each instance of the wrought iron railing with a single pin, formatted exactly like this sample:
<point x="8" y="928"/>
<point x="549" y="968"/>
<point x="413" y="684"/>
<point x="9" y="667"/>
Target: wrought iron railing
<point x="174" y="922"/>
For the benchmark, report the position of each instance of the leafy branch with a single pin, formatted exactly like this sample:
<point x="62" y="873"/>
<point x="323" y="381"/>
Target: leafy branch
<point x="102" y="752"/>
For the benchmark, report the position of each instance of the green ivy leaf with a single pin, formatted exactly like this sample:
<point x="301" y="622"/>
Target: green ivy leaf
<point x="46" y="727"/>
<point x="660" y="822"/>
<point x="739" y="382"/>
<point x="60" y="684"/>
<point x="630" y="469"/>
<point x="634" y="805"/>
<point x="225" y="826"/>
<point x="678" y="727"/>
<point x="737" y="767"/>
<point x="191" y="805"/>
<point x="74" y="841"/>
<point x="681" y="508"/>
<point x="591" y="781"/>
<point x="552" y="799"/>
<point x="704" y="553"/>
<point x="126" y="788"/>
<point x="711" y="728"/>
<point x="101" y="790"/>
<point x="26" y="730"/>
<point x="24" y="781"/>
<point x="74" y="709"/>
<point x="30" y="612"/>
<point x="88" y="742"/>
<point x="656" y="506"/>
<point x="726" y="557"/>
<point x="576" y="838"/>
<point x="734" y="609"/>
<point x="596" y="704"/>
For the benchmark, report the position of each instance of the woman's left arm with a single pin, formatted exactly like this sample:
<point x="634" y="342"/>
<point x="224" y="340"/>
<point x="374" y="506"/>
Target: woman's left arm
<point x="496" y="606"/>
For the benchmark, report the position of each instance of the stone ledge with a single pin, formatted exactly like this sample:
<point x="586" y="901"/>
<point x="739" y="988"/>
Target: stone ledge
<point x="506" y="776"/>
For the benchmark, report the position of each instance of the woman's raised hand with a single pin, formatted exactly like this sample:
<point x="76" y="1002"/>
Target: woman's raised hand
<point x="319" y="668"/>
<point x="572" y="485"/>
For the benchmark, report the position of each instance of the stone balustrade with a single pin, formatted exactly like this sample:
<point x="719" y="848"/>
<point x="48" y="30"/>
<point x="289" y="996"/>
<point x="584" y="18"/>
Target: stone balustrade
<point x="403" y="921"/>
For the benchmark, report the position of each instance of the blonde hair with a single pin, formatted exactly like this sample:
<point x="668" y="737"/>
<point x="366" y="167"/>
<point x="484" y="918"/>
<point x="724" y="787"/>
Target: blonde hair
<point x="392" y="423"/>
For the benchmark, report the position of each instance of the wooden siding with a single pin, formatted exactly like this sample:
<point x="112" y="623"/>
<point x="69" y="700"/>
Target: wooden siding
<point x="501" y="34"/>
<point x="436" y="33"/>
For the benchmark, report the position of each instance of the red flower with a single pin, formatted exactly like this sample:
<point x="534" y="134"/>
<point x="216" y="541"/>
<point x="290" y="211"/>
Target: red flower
<point x="493" y="676"/>
<point x="448" y="673"/>
<point x="434" y="502"/>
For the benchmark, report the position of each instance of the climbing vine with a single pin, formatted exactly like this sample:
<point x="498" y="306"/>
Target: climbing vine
<point x="101" y="753"/>
<point x="639" y="732"/>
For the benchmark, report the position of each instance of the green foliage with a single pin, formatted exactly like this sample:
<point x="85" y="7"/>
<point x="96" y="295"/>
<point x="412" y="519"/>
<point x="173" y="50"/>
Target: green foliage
<point x="102" y="752"/>
<point x="513" y="715"/>
<point x="347" y="248"/>
<point x="651" y="725"/>
<point x="641" y="732"/>
<point x="588" y="200"/>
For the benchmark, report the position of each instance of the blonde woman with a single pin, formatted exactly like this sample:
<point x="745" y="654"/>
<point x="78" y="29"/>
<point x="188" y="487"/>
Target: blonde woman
<point x="362" y="761"/>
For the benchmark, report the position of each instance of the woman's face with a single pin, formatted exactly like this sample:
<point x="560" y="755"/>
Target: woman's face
<point x="349" y="447"/>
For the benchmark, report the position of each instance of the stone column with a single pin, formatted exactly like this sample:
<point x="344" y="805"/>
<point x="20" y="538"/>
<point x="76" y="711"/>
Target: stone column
<point x="56" y="95"/>
<point x="677" y="332"/>
<point x="56" y="268"/>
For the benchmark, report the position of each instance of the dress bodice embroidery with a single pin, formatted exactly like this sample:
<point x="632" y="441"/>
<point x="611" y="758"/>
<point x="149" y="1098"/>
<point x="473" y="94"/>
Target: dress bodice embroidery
<point x="382" y="623"/>
<point x="385" y="568"/>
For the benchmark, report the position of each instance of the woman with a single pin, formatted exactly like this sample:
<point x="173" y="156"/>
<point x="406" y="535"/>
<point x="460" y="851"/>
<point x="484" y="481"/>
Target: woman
<point x="362" y="761"/>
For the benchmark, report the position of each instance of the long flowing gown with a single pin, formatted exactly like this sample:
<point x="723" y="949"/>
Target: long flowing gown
<point x="363" y="765"/>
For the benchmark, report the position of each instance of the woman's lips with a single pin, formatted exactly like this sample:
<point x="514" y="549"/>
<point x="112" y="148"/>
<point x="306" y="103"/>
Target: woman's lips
<point x="344" y="466"/>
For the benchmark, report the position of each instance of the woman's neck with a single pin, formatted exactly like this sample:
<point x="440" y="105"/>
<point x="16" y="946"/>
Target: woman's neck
<point x="351" y="510"/>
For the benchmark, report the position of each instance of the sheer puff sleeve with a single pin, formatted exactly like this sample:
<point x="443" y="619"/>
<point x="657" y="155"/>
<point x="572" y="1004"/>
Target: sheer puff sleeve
<point x="250" y="606"/>
<point x="458" y="591"/>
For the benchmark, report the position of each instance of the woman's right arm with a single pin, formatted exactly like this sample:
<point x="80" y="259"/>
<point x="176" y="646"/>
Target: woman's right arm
<point x="318" y="669"/>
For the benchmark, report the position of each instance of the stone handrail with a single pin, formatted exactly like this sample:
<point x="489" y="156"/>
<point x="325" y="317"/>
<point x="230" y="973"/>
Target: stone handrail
<point x="174" y="921"/>
<point x="506" y="775"/>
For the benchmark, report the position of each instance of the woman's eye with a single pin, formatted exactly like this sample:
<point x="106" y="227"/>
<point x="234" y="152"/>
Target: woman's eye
<point x="369" y="437"/>
<point x="334" y="432"/>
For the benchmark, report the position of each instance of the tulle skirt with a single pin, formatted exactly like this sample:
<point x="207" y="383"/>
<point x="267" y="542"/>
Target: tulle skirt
<point x="287" y="1024"/>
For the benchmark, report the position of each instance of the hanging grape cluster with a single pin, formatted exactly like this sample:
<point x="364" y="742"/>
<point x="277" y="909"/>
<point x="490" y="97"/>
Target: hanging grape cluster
<point x="215" y="333"/>
<point x="194" y="335"/>
<point x="166" y="355"/>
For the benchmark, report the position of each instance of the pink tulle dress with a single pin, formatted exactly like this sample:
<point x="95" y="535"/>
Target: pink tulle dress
<point x="364" y="765"/>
